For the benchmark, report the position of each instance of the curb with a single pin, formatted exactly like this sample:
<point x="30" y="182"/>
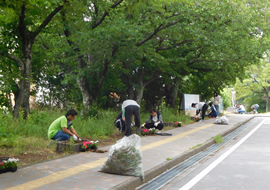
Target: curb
<point x="156" y="171"/>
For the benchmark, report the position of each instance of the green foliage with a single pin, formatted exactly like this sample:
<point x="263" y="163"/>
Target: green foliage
<point x="140" y="50"/>
<point x="218" y="139"/>
<point x="226" y="95"/>
<point x="255" y="88"/>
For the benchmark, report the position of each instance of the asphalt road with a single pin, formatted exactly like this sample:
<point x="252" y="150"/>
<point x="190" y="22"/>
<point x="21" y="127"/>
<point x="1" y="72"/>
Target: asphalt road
<point x="244" y="163"/>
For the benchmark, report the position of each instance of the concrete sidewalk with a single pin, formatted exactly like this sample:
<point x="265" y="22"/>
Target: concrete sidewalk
<point x="160" y="153"/>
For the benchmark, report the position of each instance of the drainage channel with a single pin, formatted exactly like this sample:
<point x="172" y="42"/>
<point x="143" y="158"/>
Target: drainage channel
<point x="169" y="175"/>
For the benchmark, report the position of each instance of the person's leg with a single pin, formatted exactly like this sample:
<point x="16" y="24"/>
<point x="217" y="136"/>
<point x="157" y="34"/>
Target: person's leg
<point x="255" y="109"/>
<point x="217" y="109"/>
<point x="136" y="113"/>
<point x="213" y="114"/>
<point x="61" y="136"/>
<point x="149" y="125"/>
<point x="204" y="108"/>
<point x="128" y="117"/>
<point x="160" y="126"/>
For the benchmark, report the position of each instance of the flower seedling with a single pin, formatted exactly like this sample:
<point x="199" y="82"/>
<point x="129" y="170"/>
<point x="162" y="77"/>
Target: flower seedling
<point x="90" y="145"/>
<point x="178" y="124"/>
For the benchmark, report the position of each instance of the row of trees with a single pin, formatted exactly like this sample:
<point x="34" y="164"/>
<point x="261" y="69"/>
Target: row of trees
<point x="255" y="89"/>
<point x="81" y="51"/>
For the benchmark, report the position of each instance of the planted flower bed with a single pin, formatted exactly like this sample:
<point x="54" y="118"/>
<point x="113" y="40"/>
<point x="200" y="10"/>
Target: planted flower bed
<point x="150" y="131"/>
<point x="197" y="118"/>
<point x="89" y="145"/>
<point x="178" y="124"/>
<point x="8" y="164"/>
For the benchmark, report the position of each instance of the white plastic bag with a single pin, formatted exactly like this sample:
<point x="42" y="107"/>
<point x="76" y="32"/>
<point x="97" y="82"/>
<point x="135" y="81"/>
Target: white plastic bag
<point x="125" y="157"/>
<point x="222" y="120"/>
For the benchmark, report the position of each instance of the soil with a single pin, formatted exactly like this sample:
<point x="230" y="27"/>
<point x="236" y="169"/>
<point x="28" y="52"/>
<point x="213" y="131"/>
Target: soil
<point x="41" y="155"/>
<point x="33" y="157"/>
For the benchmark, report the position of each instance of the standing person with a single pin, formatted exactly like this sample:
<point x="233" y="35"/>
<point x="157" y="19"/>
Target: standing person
<point x="201" y="106"/>
<point x="213" y="111"/>
<point x="155" y="121"/>
<point x="217" y="101"/>
<point x="129" y="108"/>
<point x="62" y="129"/>
<point x="255" y="107"/>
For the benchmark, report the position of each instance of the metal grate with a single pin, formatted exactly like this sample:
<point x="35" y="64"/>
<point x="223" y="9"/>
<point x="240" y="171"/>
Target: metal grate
<point x="169" y="175"/>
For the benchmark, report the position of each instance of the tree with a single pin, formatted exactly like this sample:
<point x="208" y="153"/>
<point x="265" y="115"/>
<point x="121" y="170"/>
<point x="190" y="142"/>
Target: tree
<point x="21" y="25"/>
<point x="256" y="84"/>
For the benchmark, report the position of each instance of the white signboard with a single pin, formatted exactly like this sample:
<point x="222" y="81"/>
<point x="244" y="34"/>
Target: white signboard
<point x="186" y="102"/>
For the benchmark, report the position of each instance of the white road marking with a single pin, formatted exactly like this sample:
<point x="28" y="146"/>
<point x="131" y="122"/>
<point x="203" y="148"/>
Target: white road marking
<point x="203" y="173"/>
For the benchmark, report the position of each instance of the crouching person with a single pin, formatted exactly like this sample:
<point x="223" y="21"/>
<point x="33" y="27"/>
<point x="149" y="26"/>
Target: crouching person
<point x="61" y="129"/>
<point x="154" y="121"/>
<point x="119" y="122"/>
<point x="213" y="112"/>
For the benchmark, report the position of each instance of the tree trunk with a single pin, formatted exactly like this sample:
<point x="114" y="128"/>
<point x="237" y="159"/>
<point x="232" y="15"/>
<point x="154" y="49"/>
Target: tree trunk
<point x="140" y="88"/>
<point x="84" y="86"/>
<point x="171" y="97"/>
<point x="22" y="101"/>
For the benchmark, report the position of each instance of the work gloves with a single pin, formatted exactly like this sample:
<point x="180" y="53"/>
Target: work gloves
<point x="75" y="137"/>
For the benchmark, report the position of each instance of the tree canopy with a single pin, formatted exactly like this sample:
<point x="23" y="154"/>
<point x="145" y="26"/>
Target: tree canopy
<point x="79" y="52"/>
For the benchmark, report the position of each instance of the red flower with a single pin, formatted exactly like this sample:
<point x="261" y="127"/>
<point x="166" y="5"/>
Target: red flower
<point x="1" y="163"/>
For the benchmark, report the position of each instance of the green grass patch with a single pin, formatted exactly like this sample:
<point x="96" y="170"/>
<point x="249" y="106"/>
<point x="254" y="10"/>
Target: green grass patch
<point x="22" y="138"/>
<point x="218" y="139"/>
<point x="198" y="145"/>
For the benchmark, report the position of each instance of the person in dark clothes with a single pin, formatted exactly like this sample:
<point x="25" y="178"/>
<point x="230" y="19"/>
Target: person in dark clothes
<point x="200" y="107"/>
<point x="130" y="108"/>
<point x="154" y="120"/>
<point x="119" y="122"/>
<point x="213" y="111"/>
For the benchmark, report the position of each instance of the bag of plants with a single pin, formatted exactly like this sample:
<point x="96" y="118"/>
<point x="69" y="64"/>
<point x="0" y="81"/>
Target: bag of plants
<point x="222" y="120"/>
<point x="125" y="157"/>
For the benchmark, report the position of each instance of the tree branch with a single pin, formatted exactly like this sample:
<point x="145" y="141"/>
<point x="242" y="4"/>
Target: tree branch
<point x="47" y="20"/>
<point x="175" y="45"/>
<point x="21" y="25"/>
<point x="105" y="13"/>
<point x="156" y="31"/>
<point x="13" y="58"/>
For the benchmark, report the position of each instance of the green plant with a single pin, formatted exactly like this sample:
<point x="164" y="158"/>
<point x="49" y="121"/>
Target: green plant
<point x="218" y="139"/>
<point x="178" y="124"/>
<point x="196" y="146"/>
<point x="145" y="131"/>
<point x="168" y="159"/>
<point x="198" y="118"/>
<point x="90" y="145"/>
<point x="2" y="165"/>
<point x="11" y="163"/>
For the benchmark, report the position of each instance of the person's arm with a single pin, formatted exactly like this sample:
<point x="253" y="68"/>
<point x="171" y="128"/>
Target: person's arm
<point x="149" y="118"/>
<point x="160" y="119"/>
<point x="74" y="132"/>
<point x="123" y="114"/>
<point x="65" y="130"/>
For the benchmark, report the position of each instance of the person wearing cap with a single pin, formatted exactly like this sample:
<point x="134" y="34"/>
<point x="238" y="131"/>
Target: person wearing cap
<point x="62" y="129"/>
<point x="200" y="107"/>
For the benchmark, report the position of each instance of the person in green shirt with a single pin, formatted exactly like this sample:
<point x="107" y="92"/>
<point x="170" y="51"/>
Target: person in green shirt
<point x="61" y="129"/>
